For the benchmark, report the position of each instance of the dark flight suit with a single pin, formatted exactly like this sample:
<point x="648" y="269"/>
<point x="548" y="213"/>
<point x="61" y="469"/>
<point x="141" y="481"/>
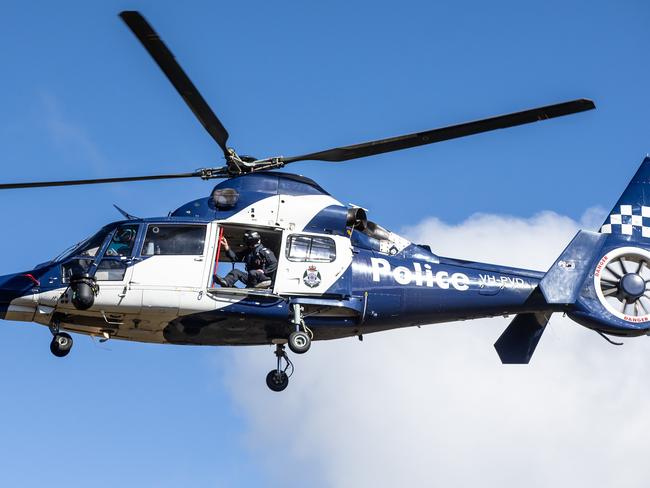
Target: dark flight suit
<point x="260" y="262"/>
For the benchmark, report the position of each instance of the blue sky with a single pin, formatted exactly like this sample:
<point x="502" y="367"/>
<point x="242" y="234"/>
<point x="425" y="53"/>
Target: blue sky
<point x="81" y="98"/>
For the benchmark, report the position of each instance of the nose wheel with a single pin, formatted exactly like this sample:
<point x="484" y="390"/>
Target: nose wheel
<point x="61" y="344"/>
<point x="278" y="378"/>
<point x="61" y="341"/>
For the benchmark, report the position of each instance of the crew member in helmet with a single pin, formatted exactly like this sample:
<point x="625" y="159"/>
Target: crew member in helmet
<point x="122" y="242"/>
<point x="260" y="262"/>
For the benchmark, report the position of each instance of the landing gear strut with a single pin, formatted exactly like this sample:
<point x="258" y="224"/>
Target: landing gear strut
<point x="299" y="339"/>
<point x="299" y="342"/>
<point x="61" y="342"/>
<point x="278" y="379"/>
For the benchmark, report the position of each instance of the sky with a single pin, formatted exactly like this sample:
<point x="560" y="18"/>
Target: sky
<point x="80" y="98"/>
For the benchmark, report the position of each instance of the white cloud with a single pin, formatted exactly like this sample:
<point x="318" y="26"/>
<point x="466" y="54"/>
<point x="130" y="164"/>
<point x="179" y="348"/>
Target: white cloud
<point x="513" y="241"/>
<point x="434" y="407"/>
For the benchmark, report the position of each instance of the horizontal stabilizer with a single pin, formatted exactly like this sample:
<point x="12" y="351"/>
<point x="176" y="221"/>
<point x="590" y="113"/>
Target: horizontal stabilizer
<point x="518" y="342"/>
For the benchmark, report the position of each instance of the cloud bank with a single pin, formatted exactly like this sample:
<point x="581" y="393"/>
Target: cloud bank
<point x="434" y="407"/>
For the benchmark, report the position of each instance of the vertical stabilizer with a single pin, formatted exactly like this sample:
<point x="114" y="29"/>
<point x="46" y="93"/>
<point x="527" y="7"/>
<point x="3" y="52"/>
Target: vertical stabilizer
<point x="629" y="220"/>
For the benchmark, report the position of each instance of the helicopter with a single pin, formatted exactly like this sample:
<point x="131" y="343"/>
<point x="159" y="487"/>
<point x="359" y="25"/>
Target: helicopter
<point x="337" y="274"/>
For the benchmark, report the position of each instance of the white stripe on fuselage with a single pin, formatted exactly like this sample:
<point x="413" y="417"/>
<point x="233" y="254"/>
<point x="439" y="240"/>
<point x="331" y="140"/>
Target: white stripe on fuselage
<point x="287" y="211"/>
<point x="143" y="325"/>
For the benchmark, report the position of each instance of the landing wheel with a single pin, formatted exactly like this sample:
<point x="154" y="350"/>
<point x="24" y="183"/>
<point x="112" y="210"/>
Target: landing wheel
<point x="299" y="342"/>
<point x="61" y="344"/>
<point x="277" y="380"/>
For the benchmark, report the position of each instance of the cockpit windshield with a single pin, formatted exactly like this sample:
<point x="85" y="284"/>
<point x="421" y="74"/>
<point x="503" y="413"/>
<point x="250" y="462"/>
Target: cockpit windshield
<point x="88" y="247"/>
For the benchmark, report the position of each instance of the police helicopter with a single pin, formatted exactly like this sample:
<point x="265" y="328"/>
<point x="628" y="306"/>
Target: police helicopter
<point x="272" y="258"/>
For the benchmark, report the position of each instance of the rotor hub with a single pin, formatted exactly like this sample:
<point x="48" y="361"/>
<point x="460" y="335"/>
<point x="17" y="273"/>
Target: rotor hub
<point x="632" y="285"/>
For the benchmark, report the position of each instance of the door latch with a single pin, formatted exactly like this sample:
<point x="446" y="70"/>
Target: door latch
<point x="123" y="294"/>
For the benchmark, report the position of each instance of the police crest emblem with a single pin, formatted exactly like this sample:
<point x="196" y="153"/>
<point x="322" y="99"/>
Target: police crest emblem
<point x="311" y="277"/>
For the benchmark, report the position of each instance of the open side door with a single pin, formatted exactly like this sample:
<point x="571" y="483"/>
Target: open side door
<point x="221" y="264"/>
<point x="313" y="264"/>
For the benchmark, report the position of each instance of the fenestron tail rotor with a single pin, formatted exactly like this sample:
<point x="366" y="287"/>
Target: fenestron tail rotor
<point x="237" y="165"/>
<point x="623" y="282"/>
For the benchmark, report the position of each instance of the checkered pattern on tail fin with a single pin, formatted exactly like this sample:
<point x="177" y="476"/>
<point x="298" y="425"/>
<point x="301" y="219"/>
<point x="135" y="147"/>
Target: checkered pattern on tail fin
<point x="630" y="217"/>
<point x="628" y="220"/>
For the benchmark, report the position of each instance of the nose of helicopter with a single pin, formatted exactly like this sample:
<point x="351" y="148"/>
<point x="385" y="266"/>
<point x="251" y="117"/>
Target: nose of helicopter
<point x="16" y="295"/>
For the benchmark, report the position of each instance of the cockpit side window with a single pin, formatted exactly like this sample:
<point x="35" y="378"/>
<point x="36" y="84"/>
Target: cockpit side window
<point x="79" y="258"/>
<point x="123" y="241"/>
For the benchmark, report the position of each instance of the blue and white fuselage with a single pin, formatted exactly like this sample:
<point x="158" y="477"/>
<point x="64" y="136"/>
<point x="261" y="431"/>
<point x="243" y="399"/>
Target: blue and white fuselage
<point x="351" y="282"/>
<point x="338" y="275"/>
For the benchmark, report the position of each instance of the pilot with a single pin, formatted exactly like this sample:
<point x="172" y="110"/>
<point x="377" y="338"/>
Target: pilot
<point x="260" y="262"/>
<point x="122" y="242"/>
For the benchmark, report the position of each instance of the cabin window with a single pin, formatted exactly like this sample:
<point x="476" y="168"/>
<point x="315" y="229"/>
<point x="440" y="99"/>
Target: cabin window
<point x="312" y="249"/>
<point x="174" y="240"/>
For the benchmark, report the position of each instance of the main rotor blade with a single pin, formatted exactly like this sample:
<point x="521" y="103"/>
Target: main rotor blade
<point x="398" y="143"/>
<point x="168" y="64"/>
<point x="40" y="184"/>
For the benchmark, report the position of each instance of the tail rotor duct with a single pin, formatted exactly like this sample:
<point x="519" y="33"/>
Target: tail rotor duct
<point x="622" y="282"/>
